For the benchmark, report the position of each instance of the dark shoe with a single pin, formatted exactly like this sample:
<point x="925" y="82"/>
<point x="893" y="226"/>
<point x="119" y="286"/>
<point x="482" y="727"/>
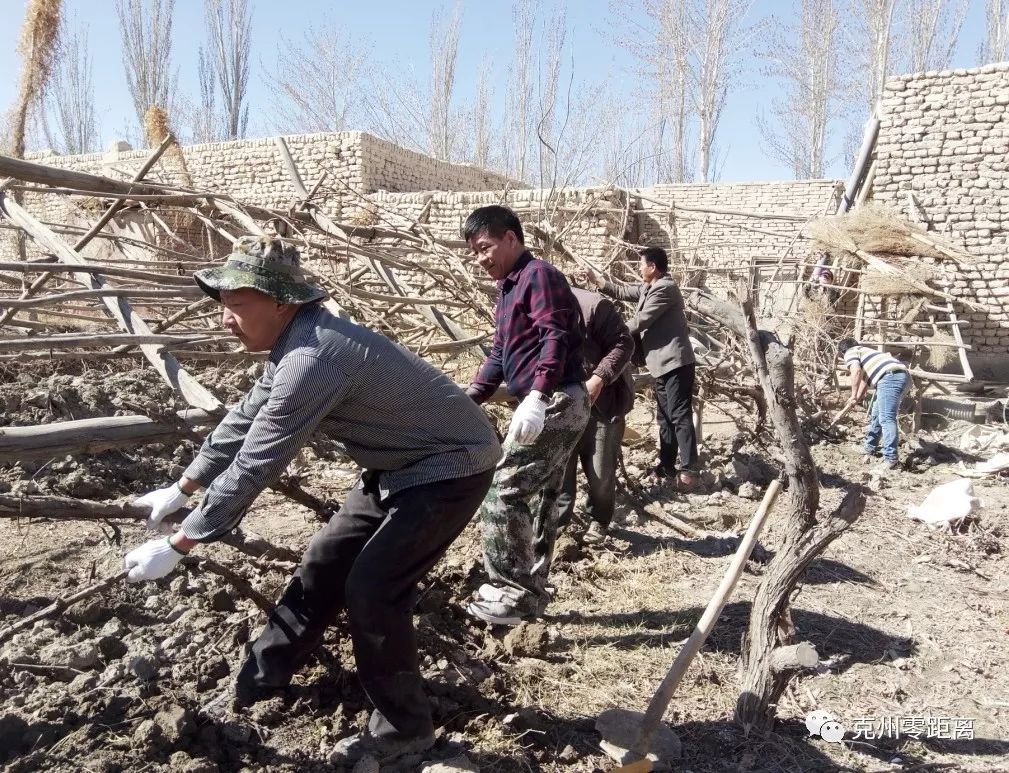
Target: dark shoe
<point x="662" y="471"/>
<point x="385" y="750"/>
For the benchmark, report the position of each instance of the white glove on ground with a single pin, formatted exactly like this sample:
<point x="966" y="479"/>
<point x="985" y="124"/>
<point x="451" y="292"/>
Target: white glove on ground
<point x="151" y="561"/>
<point x="162" y="502"/>
<point x="527" y="422"/>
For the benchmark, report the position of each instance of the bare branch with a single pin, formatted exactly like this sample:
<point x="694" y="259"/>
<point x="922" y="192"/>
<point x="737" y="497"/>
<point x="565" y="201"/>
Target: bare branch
<point x="444" y="54"/>
<point x="801" y="57"/>
<point x="933" y="28"/>
<point x="71" y="96"/>
<point x="995" y="47"/>
<point x="229" y="29"/>
<point x="317" y="86"/>
<point x="146" y="29"/>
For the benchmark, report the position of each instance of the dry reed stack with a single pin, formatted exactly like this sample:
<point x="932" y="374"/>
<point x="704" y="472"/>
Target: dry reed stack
<point x="897" y="269"/>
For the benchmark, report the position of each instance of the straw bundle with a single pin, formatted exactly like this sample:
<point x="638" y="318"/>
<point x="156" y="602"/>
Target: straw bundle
<point x="882" y="232"/>
<point x="38" y="46"/>
<point x="940" y="356"/>
<point x="879" y="283"/>
<point x="157" y="126"/>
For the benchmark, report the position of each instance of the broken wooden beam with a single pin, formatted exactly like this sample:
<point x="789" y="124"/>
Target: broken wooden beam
<point x="92" y="436"/>
<point x="167" y="365"/>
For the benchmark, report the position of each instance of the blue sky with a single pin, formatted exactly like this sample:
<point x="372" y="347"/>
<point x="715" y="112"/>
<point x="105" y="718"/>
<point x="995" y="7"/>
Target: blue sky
<point x="398" y="30"/>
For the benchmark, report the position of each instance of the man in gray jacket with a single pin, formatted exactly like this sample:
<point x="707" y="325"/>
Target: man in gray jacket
<point x="428" y="455"/>
<point x="659" y="326"/>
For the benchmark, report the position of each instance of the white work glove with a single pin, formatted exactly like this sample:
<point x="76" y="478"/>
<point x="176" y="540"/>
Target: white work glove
<point x="527" y="422"/>
<point x="152" y="560"/>
<point x="162" y="502"/>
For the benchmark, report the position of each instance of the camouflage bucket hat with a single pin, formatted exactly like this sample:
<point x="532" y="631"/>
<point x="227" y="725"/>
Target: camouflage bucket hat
<point x="269" y="265"/>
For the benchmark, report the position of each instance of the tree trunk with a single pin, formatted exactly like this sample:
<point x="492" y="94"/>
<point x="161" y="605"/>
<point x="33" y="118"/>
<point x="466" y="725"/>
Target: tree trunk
<point x="766" y="667"/>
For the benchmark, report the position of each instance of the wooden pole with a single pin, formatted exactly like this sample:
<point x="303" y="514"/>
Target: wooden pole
<point x="90" y="234"/>
<point x="664" y="694"/>
<point x="93" y="339"/>
<point x="91" y="436"/>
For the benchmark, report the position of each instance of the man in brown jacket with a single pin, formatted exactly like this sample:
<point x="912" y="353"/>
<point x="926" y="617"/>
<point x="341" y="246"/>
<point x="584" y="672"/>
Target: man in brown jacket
<point x="659" y="325"/>
<point x="607" y="347"/>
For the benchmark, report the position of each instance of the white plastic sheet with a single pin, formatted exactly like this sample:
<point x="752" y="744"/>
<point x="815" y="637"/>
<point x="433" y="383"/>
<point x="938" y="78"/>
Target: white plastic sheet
<point x="946" y="504"/>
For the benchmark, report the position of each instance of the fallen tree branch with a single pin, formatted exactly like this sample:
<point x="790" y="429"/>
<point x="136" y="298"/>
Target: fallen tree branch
<point x="60" y="605"/>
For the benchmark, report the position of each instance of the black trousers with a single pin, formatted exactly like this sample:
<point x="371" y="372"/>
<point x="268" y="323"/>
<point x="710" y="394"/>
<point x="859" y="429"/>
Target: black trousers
<point x="368" y="560"/>
<point x="674" y="392"/>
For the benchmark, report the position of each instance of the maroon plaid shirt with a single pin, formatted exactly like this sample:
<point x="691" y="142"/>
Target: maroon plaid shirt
<point x="537" y="340"/>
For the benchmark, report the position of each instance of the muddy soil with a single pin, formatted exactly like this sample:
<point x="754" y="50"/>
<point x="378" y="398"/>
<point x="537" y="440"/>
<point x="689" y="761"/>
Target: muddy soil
<point x="909" y="623"/>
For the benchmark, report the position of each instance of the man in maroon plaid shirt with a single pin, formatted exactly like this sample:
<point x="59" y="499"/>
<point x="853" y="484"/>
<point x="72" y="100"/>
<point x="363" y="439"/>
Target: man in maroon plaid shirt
<point x="538" y="352"/>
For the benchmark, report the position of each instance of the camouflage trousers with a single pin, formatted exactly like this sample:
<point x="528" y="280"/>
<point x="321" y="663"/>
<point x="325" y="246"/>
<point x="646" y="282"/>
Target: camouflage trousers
<point x="519" y="515"/>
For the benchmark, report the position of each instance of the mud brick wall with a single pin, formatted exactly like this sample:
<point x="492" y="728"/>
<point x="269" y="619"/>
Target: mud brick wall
<point x="944" y="139"/>
<point x="699" y="240"/>
<point x="588" y="215"/>
<point x="252" y="171"/>
<point x="389" y="167"/>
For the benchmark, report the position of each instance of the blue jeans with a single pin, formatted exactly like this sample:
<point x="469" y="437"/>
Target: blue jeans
<point x="883" y="414"/>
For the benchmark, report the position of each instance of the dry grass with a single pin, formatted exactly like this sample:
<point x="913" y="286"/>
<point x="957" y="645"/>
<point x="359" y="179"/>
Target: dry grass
<point x="884" y="233"/>
<point x="157" y="127"/>
<point x="38" y="47"/>
<point x="940" y="356"/>
<point x="878" y="283"/>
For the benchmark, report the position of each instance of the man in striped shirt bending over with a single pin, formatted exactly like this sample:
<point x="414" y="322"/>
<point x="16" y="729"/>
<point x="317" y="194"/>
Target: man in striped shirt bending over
<point x="428" y="455"/>
<point x="890" y="378"/>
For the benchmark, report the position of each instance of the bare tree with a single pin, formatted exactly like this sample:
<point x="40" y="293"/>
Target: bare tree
<point x="933" y="28"/>
<point x="876" y="46"/>
<point x="802" y="56"/>
<point x="229" y="31"/>
<point x="317" y="86"/>
<point x="550" y="124"/>
<point x="481" y="118"/>
<point x="521" y="87"/>
<point x="146" y="29"/>
<point x="720" y="41"/>
<point x="206" y="123"/>
<point x="444" y="54"/>
<point x="995" y="47"/>
<point x="72" y="126"/>
<point x="661" y="45"/>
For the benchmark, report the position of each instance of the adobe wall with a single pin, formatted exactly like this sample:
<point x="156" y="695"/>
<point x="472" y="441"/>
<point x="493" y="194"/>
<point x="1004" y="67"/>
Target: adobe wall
<point x="594" y="219"/>
<point x="944" y="138"/>
<point x="253" y="171"/>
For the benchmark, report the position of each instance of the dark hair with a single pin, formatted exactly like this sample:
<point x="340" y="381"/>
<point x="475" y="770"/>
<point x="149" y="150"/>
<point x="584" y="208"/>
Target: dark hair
<point x="657" y="257"/>
<point x="844" y="345"/>
<point x="495" y="220"/>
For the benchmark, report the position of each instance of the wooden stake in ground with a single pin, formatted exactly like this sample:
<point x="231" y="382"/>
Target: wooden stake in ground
<point x="652" y="718"/>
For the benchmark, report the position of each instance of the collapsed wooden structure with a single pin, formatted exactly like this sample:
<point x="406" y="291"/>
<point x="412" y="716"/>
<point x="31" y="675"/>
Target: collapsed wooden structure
<point x="119" y="287"/>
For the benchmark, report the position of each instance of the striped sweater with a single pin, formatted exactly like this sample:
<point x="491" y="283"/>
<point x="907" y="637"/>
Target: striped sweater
<point x="875" y="364"/>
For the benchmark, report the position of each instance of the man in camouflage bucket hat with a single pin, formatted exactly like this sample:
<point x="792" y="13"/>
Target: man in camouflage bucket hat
<point x="427" y="454"/>
<point x="259" y="263"/>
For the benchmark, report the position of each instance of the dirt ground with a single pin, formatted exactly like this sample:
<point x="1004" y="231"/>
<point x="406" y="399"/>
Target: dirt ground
<point x="909" y="623"/>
